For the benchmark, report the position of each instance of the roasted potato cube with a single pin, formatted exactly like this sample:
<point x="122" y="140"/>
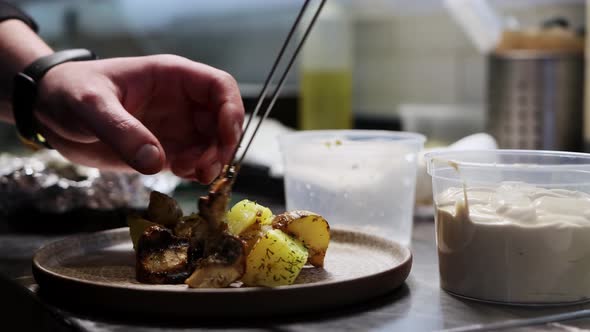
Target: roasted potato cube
<point x="137" y="225"/>
<point x="275" y="260"/>
<point x="308" y="227"/>
<point x="163" y="209"/>
<point x="246" y="213"/>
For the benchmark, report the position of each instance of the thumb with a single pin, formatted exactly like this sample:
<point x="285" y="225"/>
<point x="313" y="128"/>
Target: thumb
<point x="104" y="115"/>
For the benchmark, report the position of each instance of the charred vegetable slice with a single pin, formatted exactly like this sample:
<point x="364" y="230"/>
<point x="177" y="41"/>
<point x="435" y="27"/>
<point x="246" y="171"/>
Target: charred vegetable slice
<point x="161" y="257"/>
<point x="184" y="227"/>
<point x="275" y="260"/>
<point x="137" y="225"/>
<point x="163" y="209"/>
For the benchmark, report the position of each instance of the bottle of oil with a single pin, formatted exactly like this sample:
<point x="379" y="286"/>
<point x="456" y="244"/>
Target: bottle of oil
<point x="326" y="72"/>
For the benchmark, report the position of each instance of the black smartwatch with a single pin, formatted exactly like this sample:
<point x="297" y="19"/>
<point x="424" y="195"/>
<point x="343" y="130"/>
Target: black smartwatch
<point x="24" y="95"/>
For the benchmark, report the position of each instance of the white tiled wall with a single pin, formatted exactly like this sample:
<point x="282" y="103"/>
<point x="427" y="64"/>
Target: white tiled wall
<point x="423" y="57"/>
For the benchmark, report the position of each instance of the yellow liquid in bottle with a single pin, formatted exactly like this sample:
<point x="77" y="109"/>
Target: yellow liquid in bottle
<point x="326" y="99"/>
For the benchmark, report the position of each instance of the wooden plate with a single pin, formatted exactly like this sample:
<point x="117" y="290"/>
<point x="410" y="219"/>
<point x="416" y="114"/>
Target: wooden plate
<point x="98" y="270"/>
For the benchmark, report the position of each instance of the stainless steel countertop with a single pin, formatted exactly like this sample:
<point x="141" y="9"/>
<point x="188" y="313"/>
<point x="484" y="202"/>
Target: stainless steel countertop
<point x="419" y="305"/>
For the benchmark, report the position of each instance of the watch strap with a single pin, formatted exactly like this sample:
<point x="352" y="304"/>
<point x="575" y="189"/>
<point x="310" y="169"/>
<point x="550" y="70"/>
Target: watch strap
<point x="24" y="97"/>
<point x="39" y="67"/>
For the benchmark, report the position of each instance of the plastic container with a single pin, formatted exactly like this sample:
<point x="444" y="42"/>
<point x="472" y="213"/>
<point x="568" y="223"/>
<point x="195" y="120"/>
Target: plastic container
<point x="512" y="226"/>
<point x="443" y="124"/>
<point x="361" y="179"/>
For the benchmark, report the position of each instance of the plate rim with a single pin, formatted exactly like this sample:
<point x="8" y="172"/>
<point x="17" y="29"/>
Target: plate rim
<point x="43" y="275"/>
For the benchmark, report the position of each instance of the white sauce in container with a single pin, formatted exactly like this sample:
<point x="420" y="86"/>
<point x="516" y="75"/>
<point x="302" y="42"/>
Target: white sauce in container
<point x="515" y="243"/>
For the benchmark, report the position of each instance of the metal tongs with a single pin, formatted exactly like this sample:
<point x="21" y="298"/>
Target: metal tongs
<point x="230" y="172"/>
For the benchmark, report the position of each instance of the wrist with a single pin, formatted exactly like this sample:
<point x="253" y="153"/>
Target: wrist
<point x="26" y="91"/>
<point x="20" y="46"/>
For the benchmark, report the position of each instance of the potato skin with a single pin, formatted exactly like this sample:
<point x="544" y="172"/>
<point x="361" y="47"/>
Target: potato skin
<point x="309" y="228"/>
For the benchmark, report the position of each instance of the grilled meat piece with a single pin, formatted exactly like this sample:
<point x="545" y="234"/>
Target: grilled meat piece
<point x="200" y="235"/>
<point x="200" y="247"/>
<point x="162" y="258"/>
<point x="213" y="206"/>
<point x="218" y="257"/>
<point x="223" y="263"/>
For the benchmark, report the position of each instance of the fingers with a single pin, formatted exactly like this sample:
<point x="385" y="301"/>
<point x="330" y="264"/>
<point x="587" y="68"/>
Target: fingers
<point x="198" y="163"/>
<point x="216" y="127"/>
<point x="103" y="114"/>
<point x="95" y="154"/>
<point x="230" y="130"/>
<point x="206" y="123"/>
<point x="70" y="129"/>
<point x="226" y="102"/>
<point x="214" y="89"/>
<point x="205" y="145"/>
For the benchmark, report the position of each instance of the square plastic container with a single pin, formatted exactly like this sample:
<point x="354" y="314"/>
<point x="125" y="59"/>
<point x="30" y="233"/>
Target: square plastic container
<point x="513" y="226"/>
<point x="362" y="179"/>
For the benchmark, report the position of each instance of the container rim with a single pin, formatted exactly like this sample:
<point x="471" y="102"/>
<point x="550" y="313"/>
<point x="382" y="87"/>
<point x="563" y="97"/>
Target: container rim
<point x="398" y="136"/>
<point x="452" y="158"/>
<point x="535" y="54"/>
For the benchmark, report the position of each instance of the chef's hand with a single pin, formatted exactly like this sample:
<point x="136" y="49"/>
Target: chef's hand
<point x="146" y="113"/>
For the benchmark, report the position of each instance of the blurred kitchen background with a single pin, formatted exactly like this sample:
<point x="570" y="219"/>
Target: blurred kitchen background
<point x="402" y="64"/>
